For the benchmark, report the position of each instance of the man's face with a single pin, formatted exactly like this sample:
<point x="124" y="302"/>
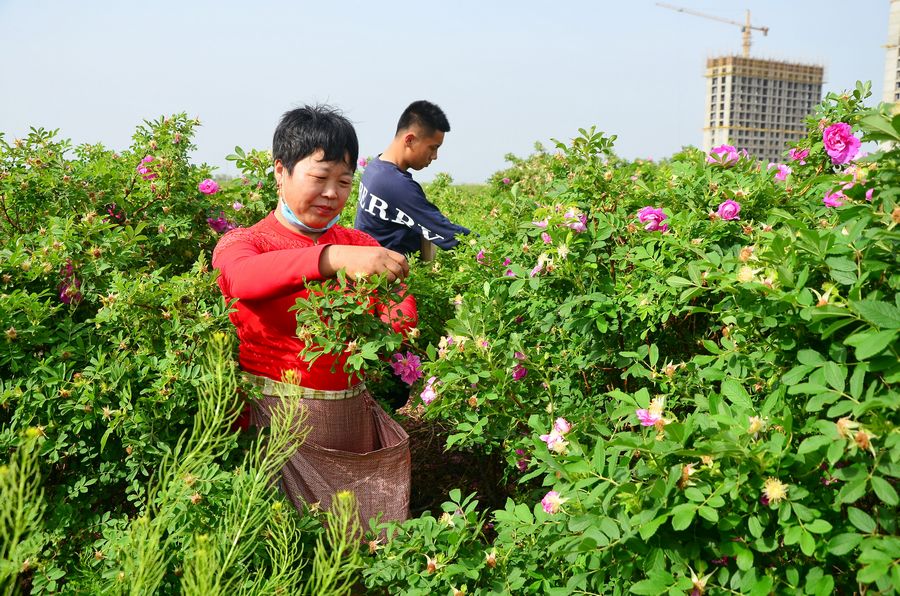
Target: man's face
<point x="317" y="190"/>
<point x="424" y="149"/>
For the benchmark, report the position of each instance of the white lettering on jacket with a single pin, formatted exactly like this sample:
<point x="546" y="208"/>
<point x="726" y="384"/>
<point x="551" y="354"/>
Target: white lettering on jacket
<point x="380" y="206"/>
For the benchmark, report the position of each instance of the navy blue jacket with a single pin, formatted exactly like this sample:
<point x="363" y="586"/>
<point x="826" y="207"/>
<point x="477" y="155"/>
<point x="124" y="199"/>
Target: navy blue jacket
<point x="393" y="209"/>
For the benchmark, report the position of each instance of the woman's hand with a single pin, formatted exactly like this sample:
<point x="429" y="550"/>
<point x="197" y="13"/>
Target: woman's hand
<point x="362" y="260"/>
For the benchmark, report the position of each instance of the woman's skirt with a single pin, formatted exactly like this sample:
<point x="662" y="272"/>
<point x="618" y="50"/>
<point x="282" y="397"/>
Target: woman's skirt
<point x="353" y="444"/>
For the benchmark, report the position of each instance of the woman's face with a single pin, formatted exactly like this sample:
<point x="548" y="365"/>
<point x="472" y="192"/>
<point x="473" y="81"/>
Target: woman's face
<point x="317" y="190"/>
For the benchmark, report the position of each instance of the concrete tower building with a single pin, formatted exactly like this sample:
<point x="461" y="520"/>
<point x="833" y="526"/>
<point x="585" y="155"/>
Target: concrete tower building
<point x="759" y="105"/>
<point x="892" y="57"/>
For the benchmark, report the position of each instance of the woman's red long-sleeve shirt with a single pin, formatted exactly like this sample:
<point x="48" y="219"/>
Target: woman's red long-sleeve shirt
<point x="264" y="268"/>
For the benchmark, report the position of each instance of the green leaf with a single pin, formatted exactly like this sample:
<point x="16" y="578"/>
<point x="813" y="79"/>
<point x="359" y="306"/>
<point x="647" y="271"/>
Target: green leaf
<point x="882" y="125"/>
<point x="796" y="374"/>
<point x="862" y="520"/>
<point x="651" y="587"/>
<point x="679" y="282"/>
<point x="871" y="573"/>
<point x="516" y="287"/>
<point x="736" y="393"/>
<point x="694" y="494"/>
<point x="870" y="344"/>
<point x="844" y="543"/>
<point x="813" y="443"/>
<point x="755" y="527"/>
<point x="810" y="358"/>
<point x="841" y="263"/>
<point x="682" y="516"/>
<point x="708" y="513"/>
<point x="835" y="375"/>
<point x="807" y="543"/>
<point x="745" y="559"/>
<point x="819" y="526"/>
<point x="792" y="535"/>
<point x="852" y="491"/>
<point x="649" y="529"/>
<point x="881" y="314"/>
<point x="857" y="380"/>
<point x="835" y="452"/>
<point x="884" y="490"/>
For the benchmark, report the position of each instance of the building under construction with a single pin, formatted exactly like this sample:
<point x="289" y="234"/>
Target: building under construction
<point x="892" y="56"/>
<point x="759" y="105"/>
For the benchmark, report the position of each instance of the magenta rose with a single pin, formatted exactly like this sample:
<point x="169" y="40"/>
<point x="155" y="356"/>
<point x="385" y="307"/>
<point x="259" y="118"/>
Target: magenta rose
<point x="725" y="155"/>
<point x="729" y="210"/>
<point x="840" y="144"/>
<point x="798" y="155"/>
<point x="208" y="187"/>
<point x="834" y="199"/>
<point x="652" y="218"/>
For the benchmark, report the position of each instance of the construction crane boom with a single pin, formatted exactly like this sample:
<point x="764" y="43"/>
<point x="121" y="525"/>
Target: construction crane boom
<point x="746" y="26"/>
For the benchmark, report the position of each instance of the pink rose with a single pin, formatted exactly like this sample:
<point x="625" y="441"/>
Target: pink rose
<point x="580" y="225"/>
<point x="729" y="210"/>
<point x="562" y="426"/>
<point x="362" y="162"/>
<point x="551" y="502"/>
<point x="519" y="372"/>
<point x="647" y="418"/>
<point x="144" y="170"/>
<point x="724" y="155"/>
<point x="782" y="173"/>
<point x="798" y="155"/>
<point x="834" y="199"/>
<point x="506" y="181"/>
<point x="840" y="144"/>
<point x="429" y="394"/>
<point x="208" y="187"/>
<point x="653" y="218"/>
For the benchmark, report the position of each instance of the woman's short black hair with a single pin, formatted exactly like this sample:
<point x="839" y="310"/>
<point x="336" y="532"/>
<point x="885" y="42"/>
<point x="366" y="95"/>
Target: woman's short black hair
<point x="303" y="131"/>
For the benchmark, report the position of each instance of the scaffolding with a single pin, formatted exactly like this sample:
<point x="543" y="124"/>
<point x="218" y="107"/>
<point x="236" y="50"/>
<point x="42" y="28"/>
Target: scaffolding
<point x="759" y="105"/>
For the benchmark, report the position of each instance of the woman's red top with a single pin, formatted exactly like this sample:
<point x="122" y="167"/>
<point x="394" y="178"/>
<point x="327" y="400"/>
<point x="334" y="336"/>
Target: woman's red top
<point x="264" y="268"/>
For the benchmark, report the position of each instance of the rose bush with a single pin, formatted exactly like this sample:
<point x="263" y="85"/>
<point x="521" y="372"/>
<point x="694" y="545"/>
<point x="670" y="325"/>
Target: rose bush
<point x="698" y="400"/>
<point x="730" y="384"/>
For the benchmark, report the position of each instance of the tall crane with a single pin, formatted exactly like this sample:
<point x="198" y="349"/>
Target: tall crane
<point x="745" y="26"/>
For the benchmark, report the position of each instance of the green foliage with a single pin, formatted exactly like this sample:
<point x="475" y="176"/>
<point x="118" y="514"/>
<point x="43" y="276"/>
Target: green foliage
<point x="108" y="310"/>
<point x="22" y="506"/>
<point x="709" y="409"/>
<point x="767" y="347"/>
<point x="349" y="315"/>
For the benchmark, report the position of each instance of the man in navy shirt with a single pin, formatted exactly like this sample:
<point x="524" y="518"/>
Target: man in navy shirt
<point x="392" y="206"/>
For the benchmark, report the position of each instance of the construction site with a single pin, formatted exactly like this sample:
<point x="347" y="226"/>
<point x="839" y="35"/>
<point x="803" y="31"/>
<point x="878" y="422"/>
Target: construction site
<point x="756" y="104"/>
<point x="759" y="105"/>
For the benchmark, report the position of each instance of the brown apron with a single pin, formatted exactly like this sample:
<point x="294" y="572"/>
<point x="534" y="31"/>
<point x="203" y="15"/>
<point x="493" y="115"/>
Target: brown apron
<point x="353" y="444"/>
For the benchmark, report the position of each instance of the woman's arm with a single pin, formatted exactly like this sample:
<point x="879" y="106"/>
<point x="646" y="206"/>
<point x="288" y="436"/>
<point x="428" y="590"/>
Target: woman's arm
<point x="403" y="315"/>
<point x="363" y="260"/>
<point x="248" y="274"/>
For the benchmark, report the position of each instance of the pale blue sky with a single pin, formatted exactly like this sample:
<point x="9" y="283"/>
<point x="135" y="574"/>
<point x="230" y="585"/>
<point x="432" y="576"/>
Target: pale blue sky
<point x="506" y="73"/>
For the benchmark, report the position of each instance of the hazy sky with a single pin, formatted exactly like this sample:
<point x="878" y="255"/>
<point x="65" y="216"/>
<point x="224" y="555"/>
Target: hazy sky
<point x="506" y="73"/>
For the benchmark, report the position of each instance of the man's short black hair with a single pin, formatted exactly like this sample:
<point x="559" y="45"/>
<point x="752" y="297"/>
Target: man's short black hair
<point x="426" y="115"/>
<point x="303" y="131"/>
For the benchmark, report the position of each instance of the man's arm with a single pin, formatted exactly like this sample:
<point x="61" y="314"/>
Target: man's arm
<point x="428" y="219"/>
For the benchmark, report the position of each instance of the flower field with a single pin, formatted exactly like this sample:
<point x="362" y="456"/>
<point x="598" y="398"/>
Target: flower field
<point x="673" y="377"/>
